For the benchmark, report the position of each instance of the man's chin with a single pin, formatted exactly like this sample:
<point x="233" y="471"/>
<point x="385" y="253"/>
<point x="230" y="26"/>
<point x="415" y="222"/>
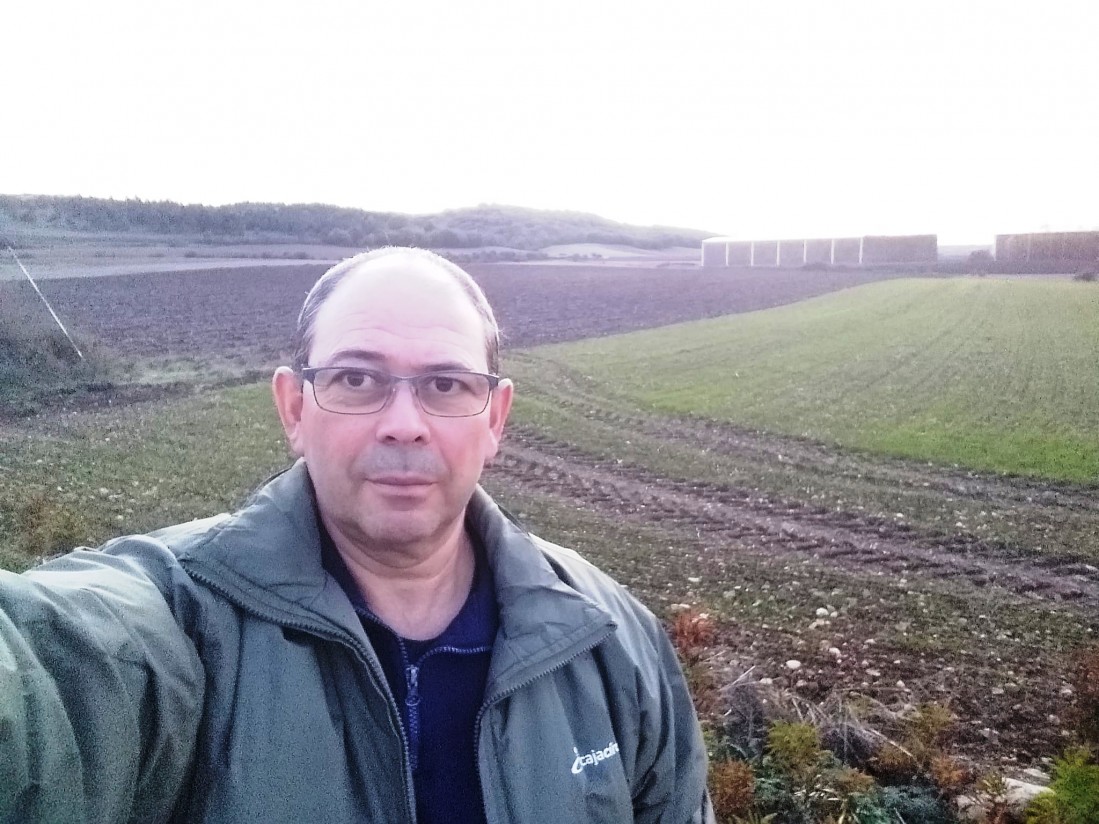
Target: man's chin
<point x="404" y="540"/>
<point x="394" y="526"/>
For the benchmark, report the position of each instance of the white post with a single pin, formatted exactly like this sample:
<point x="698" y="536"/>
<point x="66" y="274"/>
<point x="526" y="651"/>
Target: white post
<point x="727" y="245"/>
<point x="53" y="314"/>
<point x="861" y="241"/>
<point x="752" y="253"/>
<point x="832" y="254"/>
<point x="804" y="252"/>
<point x="778" y="253"/>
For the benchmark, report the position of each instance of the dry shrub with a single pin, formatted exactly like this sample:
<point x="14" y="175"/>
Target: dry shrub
<point x="745" y="718"/>
<point x="1085" y="683"/>
<point x="702" y="686"/>
<point x="919" y="753"/>
<point x="732" y="788"/>
<point x="926" y="731"/>
<point x="949" y="775"/>
<point x="692" y="632"/>
<point x="849" y="729"/>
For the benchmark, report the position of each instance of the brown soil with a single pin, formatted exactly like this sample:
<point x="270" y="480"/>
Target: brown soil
<point x="249" y="313"/>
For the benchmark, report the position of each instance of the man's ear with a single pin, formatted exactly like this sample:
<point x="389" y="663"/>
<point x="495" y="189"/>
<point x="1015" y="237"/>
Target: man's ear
<point x="287" y="387"/>
<point x="498" y="408"/>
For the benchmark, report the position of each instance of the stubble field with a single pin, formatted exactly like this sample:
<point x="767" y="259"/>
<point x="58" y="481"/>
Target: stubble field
<point x="792" y="543"/>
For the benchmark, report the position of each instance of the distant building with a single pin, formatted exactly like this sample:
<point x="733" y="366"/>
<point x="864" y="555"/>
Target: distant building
<point x="1038" y="248"/>
<point x="848" y="251"/>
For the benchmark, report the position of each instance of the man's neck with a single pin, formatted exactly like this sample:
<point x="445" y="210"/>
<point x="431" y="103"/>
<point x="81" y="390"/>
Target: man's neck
<point x="417" y="595"/>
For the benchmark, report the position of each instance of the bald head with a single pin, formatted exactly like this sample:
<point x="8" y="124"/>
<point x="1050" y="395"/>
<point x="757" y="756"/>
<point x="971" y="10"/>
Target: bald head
<point x="386" y="262"/>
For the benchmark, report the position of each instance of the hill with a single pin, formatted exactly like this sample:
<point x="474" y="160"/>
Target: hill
<point x="26" y="216"/>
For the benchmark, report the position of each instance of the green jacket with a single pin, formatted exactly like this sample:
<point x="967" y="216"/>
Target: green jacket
<point x="213" y="672"/>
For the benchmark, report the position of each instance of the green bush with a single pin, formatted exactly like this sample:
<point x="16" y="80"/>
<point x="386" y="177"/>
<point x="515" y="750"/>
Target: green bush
<point x="1074" y="792"/>
<point x="913" y="803"/>
<point x="1046" y="809"/>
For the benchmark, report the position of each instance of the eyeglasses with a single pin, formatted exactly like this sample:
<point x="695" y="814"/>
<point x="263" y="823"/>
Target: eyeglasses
<point x="353" y="391"/>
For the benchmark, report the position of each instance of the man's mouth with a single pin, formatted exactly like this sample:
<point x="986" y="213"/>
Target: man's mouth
<point x="401" y="480"/>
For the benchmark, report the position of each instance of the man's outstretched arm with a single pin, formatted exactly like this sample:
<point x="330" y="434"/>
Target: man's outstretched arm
<point x="100" y="693"/>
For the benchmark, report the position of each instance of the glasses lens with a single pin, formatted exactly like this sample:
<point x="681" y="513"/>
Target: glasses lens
<point x="351" y="390"/>
<point x="453" y="394"/>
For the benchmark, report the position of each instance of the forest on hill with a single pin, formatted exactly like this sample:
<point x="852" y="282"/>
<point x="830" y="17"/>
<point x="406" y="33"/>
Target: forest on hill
<point x="479" y="226"/>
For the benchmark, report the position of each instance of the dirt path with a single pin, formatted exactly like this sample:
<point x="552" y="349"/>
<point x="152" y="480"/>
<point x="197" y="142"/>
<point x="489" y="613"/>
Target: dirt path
<point x="776" y="527"/>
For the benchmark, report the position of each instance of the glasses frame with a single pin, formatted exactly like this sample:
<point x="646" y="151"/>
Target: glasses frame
<point x="309" y="373"/>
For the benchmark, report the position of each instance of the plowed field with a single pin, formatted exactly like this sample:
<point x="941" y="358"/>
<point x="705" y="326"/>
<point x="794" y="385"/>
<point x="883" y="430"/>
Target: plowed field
<point x="250" y="312"/>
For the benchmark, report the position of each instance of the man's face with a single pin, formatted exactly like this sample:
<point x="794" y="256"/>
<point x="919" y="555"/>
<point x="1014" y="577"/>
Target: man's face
<point x="397" y="480"/>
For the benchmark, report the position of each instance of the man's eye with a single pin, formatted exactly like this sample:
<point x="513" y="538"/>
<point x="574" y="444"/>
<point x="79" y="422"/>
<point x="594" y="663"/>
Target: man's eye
<point x="353" y="379"/>
<point x="444" y="385"/>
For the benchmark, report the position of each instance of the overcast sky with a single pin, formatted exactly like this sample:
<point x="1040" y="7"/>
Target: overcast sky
<point x="760" y="119"/>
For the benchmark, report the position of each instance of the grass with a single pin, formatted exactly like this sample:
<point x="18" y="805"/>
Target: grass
<point x="990" y="374"/>
<point x="137" y="468"/>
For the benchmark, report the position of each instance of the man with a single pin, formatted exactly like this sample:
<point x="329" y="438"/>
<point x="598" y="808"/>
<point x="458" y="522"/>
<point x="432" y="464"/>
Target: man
<point x="371" y="639"/>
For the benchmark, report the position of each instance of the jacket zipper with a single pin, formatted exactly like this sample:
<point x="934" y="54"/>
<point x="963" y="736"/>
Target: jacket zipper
<point x="591" y="644"/>
<point x="351" y="643"/>
<point x="412" y="690"/>
<point x="412" y="683"/>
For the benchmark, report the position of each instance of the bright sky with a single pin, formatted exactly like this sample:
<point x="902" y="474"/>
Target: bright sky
<point x="755" y="119"/>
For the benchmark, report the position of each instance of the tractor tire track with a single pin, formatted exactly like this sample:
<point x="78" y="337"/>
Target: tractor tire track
<point x="820" y="459"/>
<point x="770" y="527"/>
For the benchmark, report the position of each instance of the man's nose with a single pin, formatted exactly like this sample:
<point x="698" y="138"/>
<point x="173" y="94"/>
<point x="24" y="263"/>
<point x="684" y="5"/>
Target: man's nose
<point x="402" y="419"/>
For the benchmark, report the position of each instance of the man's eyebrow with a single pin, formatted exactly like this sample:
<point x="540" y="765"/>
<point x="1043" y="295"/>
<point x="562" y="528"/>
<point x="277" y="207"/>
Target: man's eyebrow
<point x="355" y="354"/>
<point x="448" y="366"/>
<point x="344" y="355"/>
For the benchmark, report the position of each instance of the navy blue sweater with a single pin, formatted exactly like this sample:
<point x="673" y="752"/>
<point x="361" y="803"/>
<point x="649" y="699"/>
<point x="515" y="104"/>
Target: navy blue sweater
<point x="439" y="686"/>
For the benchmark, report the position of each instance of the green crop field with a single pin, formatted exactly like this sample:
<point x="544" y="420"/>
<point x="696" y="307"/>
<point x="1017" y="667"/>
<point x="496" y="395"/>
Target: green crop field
<point x="999" y="375"/>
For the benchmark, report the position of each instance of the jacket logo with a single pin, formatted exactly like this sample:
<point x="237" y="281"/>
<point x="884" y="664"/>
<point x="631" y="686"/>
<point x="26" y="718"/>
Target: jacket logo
<point x="592" y="758"/>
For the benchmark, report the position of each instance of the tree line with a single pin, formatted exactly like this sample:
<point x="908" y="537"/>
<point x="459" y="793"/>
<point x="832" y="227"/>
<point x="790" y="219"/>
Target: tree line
<point x="479" y="226"/>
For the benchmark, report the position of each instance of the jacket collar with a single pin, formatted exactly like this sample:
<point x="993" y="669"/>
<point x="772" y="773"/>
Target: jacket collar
<point x="267" y="559"/>
<point x="543" y="620"/>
